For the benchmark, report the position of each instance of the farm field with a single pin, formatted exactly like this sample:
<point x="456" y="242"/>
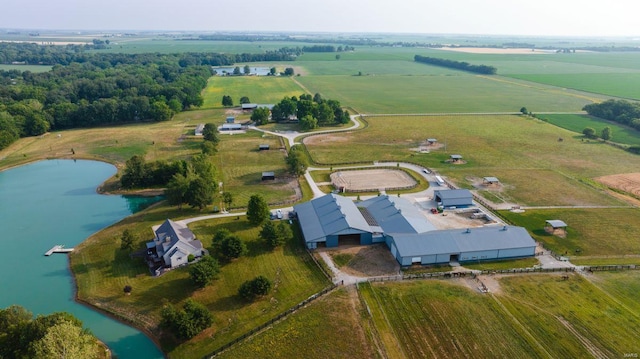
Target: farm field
<point x="598" y="233"/>
<point x="391" y="94"/>
<point x="31" y="68"/>
<point x="577" y="123"/>
<point x="326" y="323"/>
<point x="259" y="89"/>
<point x="102" y="270"/>
<point x="622" y="85"/>
<point x="528" y="314"/>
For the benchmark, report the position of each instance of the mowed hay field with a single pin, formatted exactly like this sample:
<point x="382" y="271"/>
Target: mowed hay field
<point x="259" y="89"/>
<point x="102" y="269"/>
<point x="577" y="123"/>
<point x="536" y="316"/>
<point x="597" y="232"/>
<point x="329" y="327"/>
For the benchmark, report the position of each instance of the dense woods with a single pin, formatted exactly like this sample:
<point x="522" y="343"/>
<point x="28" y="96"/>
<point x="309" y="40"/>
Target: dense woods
<point x="458" y="65"/>
<point x="322" y="112"/>
<point x="624" y="112"/>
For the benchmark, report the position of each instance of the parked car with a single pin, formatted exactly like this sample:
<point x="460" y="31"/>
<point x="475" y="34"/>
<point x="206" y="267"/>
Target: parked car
<point x="279" y="214"/>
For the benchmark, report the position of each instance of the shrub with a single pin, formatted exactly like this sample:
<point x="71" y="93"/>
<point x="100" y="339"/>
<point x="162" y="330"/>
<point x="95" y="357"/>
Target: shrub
<point x="257" y="287"/>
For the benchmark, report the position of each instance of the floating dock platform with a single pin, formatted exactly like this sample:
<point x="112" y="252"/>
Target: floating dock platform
<point x="58" y="249"/>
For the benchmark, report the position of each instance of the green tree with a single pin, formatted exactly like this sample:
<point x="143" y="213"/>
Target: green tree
<point x="232" y="247"/>
<point x="177" y="188"/>
<point x="210" y="133"/>
<point x="128" y="240"/>
<point x="236" y="70"/>
<point x="204" y="271"/>
<point x="308" y="122"/>
<point x="338" y="57"/>
<point x="67" y="340"/>
<point x="244" y="99"/>
<point x="257" y="287"/>
<point x="187" y="322"/>
<point x="257" y="210"/>
<point x="284" y="232"/>
<point x="288" y="71"/>
<point x="218" y="238"/>
<point x="247" y="70"/>
<point x="269" y="234"/>
<point x="272" y="71"/>
<point x="227" y="101"/>
<point x="606" y="133"/>
<point x="227" y="199"/>
<point x="201" y="193"/>
<point x="589" y="132"/>
<point x="135" y="172"/>
<point x="260" y="116"/>
<point x="524" y="110"/>
<point x="297" y="160"/>
<point x="160" y="111"/>
<point x="208" y="148"/>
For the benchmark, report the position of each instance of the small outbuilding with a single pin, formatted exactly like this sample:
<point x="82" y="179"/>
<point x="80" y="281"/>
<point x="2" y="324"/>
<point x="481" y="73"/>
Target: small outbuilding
<point x="231" y="119"/>
<point x="231" y="127"/>
<point x="431" y="141"/>
<point x="199" y="129"/>
<point x="453" y="198"/>
<point x="490" y="181"/>
<point x="263" y="147"/>
<point x="267" y="176"/>
<point x="455" y="158"/>
<point x="556" y="227"/>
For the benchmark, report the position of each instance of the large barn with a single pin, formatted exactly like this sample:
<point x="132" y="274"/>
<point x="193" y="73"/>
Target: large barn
<point x="333" y="220"/>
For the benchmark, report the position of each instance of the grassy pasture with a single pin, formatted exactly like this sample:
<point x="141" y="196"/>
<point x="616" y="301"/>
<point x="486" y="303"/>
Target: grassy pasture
<point x="259" y="89"/>
<point x="624" y="286"/>
<point x="486" y="142"/>
<point x="440" y="93"/>
<point x="577" y="123"/>
<point x="241" y="166"/>
<point x="613" y="84"/>
<point x="571" y="318"/>
<point x="441" y="320"/>
<point x="102" y="270"/>
<point x="599" y="234"/>
<point x="326" y="323"/>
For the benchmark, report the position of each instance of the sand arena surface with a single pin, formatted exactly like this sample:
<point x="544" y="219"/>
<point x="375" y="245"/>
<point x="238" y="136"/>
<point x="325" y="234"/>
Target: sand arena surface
<point x="373" y="179"/>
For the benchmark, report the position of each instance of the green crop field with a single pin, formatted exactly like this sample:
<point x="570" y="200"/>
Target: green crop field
<point x="259" y="89"/>
<point x="319" y="330"/>
<point x="102" y="270"/>
<point x="597" y="233"/>
<point x="613" y="84"/>
<point x="441" y="93"/>
<point x="577" y="123"/>
<point x="532" y="316"/>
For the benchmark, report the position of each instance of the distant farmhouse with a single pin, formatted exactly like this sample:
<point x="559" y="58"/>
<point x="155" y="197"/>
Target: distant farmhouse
<point x="333" y="220"/>
<point x="172" y="246"/>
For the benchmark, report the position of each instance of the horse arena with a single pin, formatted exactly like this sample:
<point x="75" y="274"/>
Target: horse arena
<point x="371" y="180"/>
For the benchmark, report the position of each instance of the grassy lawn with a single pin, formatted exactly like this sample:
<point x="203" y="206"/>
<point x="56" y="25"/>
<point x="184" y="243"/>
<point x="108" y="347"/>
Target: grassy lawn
<point x="435" y="318"/>
<point x="595" y="232"/>
<point x="30" y="68"/>
<point x="326" y="323"/>
<point x="577" y="123"/>
<point x="102" y="270"/>
<point x="259" y="89"/>
<point x="624" y="286"/>
<point x="341" y="259"/>
<point x="572" y="318"/>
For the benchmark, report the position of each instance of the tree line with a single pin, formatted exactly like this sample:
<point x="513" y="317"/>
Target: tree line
<point x="621" y="111"/>
<point x="458" y="65"/>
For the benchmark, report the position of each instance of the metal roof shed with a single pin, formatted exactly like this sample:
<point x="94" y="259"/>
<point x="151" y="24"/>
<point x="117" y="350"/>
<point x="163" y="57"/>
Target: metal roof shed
<point x="454" y="197"/>
<point x="556" y="223"/>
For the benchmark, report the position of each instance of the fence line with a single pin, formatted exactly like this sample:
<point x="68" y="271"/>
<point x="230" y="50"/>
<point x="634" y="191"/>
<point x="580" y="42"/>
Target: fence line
<point x="270" y="322"/>
<point x="610" y="268"/>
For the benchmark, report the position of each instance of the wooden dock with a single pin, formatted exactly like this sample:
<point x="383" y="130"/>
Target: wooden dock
<point x="58" y="249"/>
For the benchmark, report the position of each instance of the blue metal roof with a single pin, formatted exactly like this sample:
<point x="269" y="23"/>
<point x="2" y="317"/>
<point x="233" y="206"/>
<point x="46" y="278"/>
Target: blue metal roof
<point x="396" y="215"/>
<point x="455" y="241"/>
<point x="454" y="197"/>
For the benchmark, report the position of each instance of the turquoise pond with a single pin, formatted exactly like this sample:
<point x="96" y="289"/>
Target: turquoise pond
<point x="55" y="202"/>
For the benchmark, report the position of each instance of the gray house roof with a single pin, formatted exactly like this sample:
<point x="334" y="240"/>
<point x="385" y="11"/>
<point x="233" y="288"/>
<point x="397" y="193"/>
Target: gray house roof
<point x="491" y="179"/>
<point x="174" y="231"/>
<point x="330" y="215"/>
<point x="396" y="215"/>
<point x="455" y="241"/>
<point x="456" y="157"/>
<point x="174" y="239"/>
<point x="454" y="197"/>
<point x="556" y="223"/>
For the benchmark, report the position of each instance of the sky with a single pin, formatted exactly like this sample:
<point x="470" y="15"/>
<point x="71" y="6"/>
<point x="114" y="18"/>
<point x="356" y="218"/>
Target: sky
<point x="491" y="17"/>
